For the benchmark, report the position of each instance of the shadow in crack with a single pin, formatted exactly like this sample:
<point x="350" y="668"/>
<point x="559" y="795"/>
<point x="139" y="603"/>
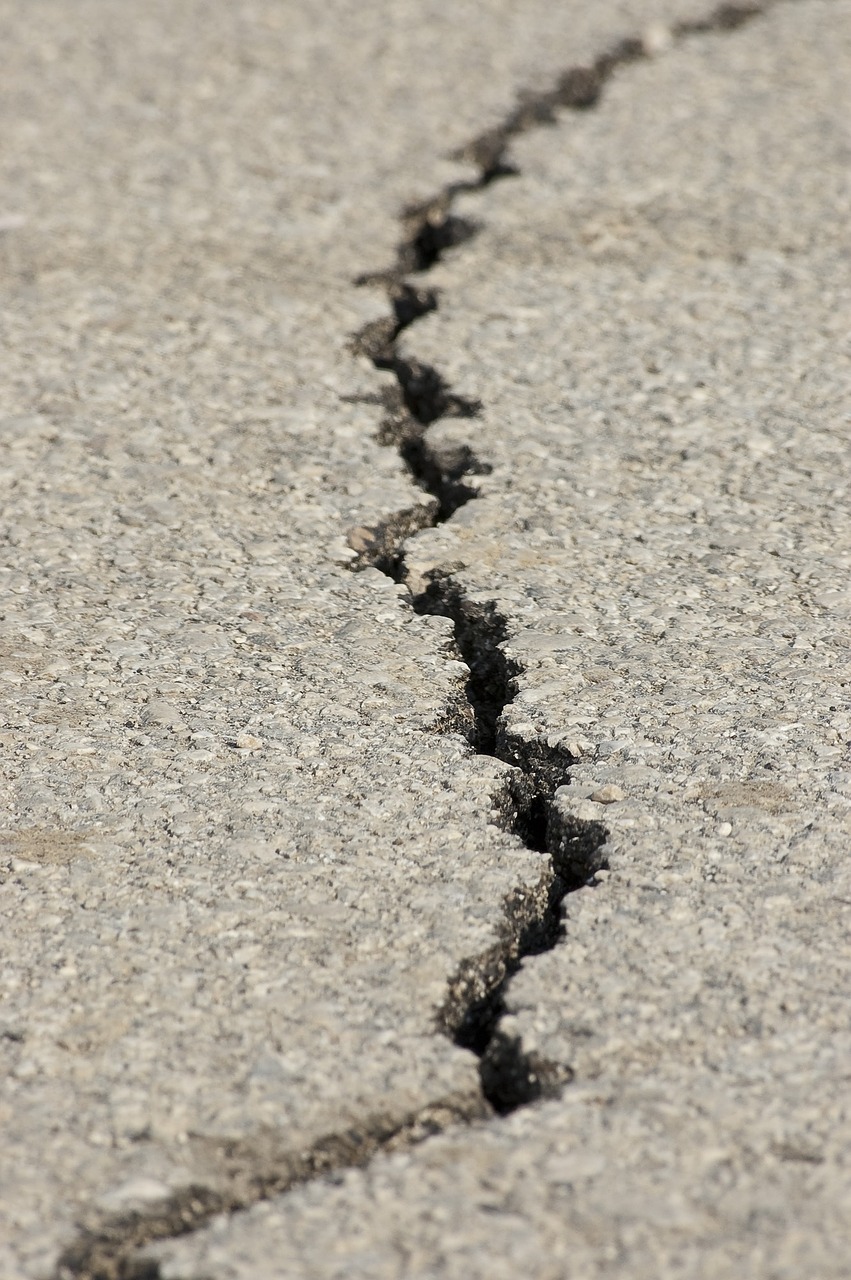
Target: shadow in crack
<point x="475" y="1005"/>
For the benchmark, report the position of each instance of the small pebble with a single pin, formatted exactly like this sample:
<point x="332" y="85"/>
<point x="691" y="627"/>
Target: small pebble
<point x="608" y="795"/>
<point x="657" y="39"/>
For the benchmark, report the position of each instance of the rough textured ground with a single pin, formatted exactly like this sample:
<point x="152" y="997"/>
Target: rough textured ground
<point x="247" y="848"/>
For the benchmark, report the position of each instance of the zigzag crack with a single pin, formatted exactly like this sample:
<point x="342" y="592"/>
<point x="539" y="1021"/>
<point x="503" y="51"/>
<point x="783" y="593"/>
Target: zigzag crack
<point x="472" y="1013"/>
<point x="525" y="806"/>
<point x="248" y="1172"/>
<point x="475" y="1004"/>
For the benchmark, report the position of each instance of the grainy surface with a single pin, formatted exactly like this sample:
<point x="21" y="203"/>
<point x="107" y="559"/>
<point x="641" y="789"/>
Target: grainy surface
<point x="241" y="861"/>
<point x="656" y="319"/>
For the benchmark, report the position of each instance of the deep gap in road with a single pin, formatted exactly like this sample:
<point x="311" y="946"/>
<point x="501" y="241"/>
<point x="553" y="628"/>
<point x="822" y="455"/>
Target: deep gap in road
<point x="475" y="1005"/>
<point x="419" y="397"/>
<point x="472" y="1015"/>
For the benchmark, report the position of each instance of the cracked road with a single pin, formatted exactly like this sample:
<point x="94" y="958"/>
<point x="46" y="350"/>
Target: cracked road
<point x="346" y="628"/>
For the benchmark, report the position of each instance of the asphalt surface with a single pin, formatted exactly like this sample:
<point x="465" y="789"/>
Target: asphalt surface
<point x="261" y="855"/>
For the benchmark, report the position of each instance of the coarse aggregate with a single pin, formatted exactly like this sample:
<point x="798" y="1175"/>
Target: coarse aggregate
<point x="655" y="317"/>
<point x="240" y="862"/>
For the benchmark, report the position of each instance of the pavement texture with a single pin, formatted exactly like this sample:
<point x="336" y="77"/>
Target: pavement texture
<point x="427" y="750"/>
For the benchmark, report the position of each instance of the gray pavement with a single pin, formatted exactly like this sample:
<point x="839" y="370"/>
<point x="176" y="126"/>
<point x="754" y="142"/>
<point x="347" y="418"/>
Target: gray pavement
<point x="247" y="849"/>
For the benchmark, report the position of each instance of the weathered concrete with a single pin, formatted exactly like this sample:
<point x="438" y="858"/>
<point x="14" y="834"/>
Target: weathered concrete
<point x="655" y="319"/>
<point x="246" y="845"/>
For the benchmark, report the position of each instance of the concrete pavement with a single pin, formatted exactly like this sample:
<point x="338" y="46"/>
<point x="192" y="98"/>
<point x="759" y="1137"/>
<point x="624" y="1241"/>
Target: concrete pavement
<point x="255" y="871"/>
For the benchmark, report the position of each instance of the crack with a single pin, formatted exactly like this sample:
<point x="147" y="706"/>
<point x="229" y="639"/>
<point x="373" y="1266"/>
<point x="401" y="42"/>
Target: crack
<point x="248" y="1172"/>
<point x="526" y="807"/>
<point x="420" y="395"/>
<point x="472" y="1014"/>
<point x="475" y="1005"/>
<point x="431" y="226"/>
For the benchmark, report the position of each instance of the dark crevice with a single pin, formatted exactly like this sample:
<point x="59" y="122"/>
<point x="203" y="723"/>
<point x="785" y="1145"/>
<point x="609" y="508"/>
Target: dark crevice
<point x="431" y="226"/>
<point x="420" y="395"/>
<point x="474" y="1011"/>
<point x="432" y="230"/>
<point x="480" y="631"/>
<point x="526" y="807"/>
<point x="247" y="1171"/>
<point x="727" y="17"/>
<point x="475" y="1006"/>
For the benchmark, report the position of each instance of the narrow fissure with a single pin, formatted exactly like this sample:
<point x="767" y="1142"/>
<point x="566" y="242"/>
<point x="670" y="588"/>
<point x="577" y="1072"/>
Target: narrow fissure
<point x="419" y="397"/>
<point x="475" y="1006"/>
<point x="526" y="806"/>
<point x="572" y="850"/>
